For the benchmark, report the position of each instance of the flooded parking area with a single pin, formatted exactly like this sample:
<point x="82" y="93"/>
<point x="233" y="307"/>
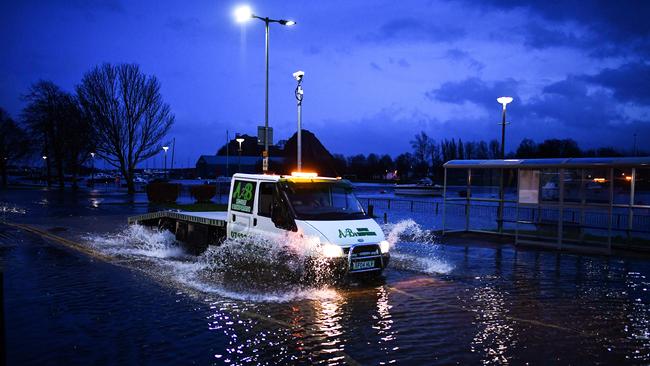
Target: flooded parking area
<point x="81" y="287"/>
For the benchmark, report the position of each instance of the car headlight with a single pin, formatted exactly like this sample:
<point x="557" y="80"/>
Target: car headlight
<point x="332" y="251"/>
<point x="384" y="246"/>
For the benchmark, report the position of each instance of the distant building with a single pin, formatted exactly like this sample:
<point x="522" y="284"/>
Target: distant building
<point x="212" y="166"/>
<point x="315" y="157"/>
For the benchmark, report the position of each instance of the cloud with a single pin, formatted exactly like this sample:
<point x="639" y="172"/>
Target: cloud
<point x="474" y="90"/>
<point x="570" y="87"/>
<point x="413" y="29"/>
<point x="375" y="66"/>
<point x="185" y="26"/>
<point x="458" y="55"/>
<point x="539" y="36"/>
<point x="629" y="82"/>
<point x="399" y="62"/>
<point x="612" y="26"/>
<point x="114" y="6"/>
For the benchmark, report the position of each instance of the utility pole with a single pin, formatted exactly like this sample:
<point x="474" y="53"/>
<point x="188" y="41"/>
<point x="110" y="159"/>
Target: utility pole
<point x="298" y="75"/>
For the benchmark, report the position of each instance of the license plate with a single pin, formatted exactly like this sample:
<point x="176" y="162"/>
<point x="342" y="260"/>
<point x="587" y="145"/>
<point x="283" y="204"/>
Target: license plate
<point x="363" y="265"/>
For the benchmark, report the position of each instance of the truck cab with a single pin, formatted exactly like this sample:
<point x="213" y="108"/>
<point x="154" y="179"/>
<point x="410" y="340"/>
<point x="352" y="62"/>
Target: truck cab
<point x="322" y="210"/>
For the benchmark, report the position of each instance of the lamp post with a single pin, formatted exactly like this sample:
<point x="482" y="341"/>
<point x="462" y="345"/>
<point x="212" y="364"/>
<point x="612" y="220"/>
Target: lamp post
<point x="504" y="101"/>
<point x="45" y="168"/>
<point x="298" y="75"/>
<point x="166" y="148"/>
<point x="92" y="170"/>
<point x="240" y="140"/>
<point x="243" y="14"/>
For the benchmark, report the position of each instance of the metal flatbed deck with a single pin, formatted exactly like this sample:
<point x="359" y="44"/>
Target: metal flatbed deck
<point x="211" y="218"/>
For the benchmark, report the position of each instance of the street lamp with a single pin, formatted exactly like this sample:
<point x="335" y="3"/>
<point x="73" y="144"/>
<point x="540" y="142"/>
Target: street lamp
<point x="243" y="14"/>
<point x="45" y="168"/>
<point x="240" y="140"/>
<point x="504" y="101"/>
<point x="166" y="148"/>
<point x="92" y="171"/>
<point x="298" y="75"/>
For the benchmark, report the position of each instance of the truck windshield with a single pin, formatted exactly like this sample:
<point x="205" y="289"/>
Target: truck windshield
<point x="324" y="201"/>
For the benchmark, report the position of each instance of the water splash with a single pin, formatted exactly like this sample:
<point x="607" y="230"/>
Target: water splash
<point x="414" y="249"/>
<point x="8" y="208"/>
<point x="252" y="268"/>
<point x="137" y="241"/>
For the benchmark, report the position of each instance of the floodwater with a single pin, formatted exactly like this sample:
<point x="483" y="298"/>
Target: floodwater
<point x="134" y="296"/>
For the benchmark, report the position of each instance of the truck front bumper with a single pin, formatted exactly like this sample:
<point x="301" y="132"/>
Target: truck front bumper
<point x="361" y="258"/>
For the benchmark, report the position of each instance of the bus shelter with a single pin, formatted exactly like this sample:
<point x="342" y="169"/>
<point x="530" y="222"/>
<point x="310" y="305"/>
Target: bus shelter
<point x="589" y="204"/>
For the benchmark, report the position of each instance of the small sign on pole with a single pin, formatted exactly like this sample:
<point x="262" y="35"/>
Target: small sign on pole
<point x="261" y="134"/>
<point x="265" y="164"/>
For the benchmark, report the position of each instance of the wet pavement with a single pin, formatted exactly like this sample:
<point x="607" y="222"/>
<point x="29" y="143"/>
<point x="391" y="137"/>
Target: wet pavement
<point x="133" y="296"/>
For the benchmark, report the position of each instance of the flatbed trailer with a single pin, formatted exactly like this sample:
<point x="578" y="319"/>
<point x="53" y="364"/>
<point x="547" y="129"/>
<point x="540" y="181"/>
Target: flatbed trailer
<point x="197" y="230"/>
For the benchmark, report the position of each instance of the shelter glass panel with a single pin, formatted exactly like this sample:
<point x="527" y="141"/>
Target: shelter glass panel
<point x="573" y="185"/>
<point x="642" y="187"/>
<point x="597" y="185"/>
<point x="485" y="183"/>
<point x="549" y="185"/>
<point x="622" y="185"/>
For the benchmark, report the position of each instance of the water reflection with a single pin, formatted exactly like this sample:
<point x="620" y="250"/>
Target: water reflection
<point x="495" y="330"/>
<point x="384" y="325"/>
<point x="638" y="316"/>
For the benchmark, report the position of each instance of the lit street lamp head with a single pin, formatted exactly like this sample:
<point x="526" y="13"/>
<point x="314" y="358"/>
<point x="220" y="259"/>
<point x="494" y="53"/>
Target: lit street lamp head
<point x="165" y="148"/>
<point x="504" y="101"/>
<point x="298" y="75"/>
<point x="287" y="22"/>
<point x="243" y="14"/>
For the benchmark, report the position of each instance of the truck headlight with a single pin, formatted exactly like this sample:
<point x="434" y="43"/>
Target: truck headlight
<point x="332" y="251"/>
<point x="384" y="246"/>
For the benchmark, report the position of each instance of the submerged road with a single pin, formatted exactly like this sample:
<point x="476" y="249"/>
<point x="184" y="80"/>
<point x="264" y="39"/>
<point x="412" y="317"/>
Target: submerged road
<point x="80" y="287"/>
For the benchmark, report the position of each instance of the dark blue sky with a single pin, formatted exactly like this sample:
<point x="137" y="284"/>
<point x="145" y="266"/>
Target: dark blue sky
<point x="377" y="72"/>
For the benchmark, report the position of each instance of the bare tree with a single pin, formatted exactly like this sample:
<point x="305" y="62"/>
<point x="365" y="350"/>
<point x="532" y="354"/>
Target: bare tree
<point x="44" y="116"/>
<point x="127" y="113"/>
<point x="421" y="145"/>
<point x="14" y="143"/>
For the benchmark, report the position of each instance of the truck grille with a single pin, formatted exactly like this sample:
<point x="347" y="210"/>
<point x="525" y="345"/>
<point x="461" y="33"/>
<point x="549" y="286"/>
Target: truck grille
<point x="359" y="251"/>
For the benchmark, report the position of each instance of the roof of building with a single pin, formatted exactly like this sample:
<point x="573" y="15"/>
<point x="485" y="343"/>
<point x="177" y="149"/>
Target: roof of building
<point x="550" y="163"/>
<point x="234" y="159"/>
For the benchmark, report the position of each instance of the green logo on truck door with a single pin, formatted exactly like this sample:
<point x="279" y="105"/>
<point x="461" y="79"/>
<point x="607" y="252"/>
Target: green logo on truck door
<point x="243" y="196"/>
<point x="361" y="231"/>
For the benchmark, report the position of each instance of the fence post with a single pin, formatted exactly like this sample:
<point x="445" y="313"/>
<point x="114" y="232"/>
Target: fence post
<point x="411" y="206"/>
<point x="371" y="210"/>
<point x="389" y="204"/>
<point x="436" y="208"/>
<point x="385" y="217"/>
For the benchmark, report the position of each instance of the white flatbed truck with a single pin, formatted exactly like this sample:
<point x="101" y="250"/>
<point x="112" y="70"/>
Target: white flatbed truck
<point x="323" y="211"/>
